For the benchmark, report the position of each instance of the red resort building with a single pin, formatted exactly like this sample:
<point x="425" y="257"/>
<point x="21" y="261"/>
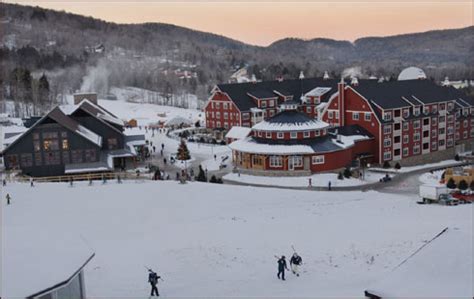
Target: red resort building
<point x="408" y="121"/>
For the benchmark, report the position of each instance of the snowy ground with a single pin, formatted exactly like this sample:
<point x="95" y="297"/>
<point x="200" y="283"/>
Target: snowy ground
<point x="417" y="167"/>
<point x="218" y="240"/>
<point x="431" y="178"/>
<point x="317" y="180"/>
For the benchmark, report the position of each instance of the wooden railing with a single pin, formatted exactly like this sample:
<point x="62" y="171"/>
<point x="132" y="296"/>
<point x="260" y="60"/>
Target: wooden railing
<point x="86" y="177"/>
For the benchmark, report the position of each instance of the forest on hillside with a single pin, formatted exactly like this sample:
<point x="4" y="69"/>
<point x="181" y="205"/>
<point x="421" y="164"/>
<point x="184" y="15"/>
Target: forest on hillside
<point x="46" y="54"/>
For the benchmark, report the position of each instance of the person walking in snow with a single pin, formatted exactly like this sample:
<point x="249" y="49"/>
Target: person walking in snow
<point x="8" y="199"/>
<point x="162" y="146"/>
<point x="295" y="263"/>
<point x="281" y="268"/>
<point x="329" y="186"/>
<point x="32" y="184"/>
<point x="153" y="280"/>
<point x="4" y="182"/>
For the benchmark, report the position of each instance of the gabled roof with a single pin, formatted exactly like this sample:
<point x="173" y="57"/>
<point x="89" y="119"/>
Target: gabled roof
<point x="239" y="92"/>
<point x="62" y="119"/>
<point x="290" y="120"/>
<point x="98" y="112"/>
<point x="398" y="94"/>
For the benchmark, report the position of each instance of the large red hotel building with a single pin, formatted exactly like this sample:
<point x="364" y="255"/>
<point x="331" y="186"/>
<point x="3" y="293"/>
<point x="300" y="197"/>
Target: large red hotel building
<point x="322" y="124"/>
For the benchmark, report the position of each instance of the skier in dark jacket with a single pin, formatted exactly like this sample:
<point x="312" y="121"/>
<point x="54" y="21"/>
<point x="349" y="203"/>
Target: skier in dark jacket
<point x="153" y="280"/>
<point x="295" y="263"/>
<point x="281" y="267"/>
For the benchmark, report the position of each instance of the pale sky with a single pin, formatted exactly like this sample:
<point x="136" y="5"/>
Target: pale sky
<point x="263" y="22"/>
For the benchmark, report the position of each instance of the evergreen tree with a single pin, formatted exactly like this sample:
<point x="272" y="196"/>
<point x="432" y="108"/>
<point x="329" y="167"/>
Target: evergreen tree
<point x="451" y="184"/>
<point x="456" y="157"/>
<point x="347" y="173"/>
<point x="398" y="166"/>
<point x="463" y="185"/>
<point x="471" y="185"/>
<point x="201" y="177"/>
<point x="386" y="164"/>
<point x="43" y="90"/>
<point x="183" y="152"/>
<point x="340" y="176"/>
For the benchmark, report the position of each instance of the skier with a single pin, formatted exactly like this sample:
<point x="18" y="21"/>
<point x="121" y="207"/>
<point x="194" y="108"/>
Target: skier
<point x="4" y="182"/>
<point x="8" y="199"/>
<point x="162" y="146"/>
<point x="295" y="263"/>
<point x="31" y="182"/>
<point x="153" y="280"/>
<point x="281" y="267"/>
<point x="329" y="186"/>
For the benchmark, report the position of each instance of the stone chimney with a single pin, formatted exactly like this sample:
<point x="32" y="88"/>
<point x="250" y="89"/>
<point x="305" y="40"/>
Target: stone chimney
<point x="90" y="96"/>
<point x="354" y="81"/>
<point x="326" y="75"/>
<point x="301" y="75"/>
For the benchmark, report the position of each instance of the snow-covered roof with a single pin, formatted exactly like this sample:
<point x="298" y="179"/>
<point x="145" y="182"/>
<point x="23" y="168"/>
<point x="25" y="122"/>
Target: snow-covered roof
<point x="89" y="135"/>
<point x="411" y="73"/>
<point x="37" y="259"/>
<point x="237" y="132"/>
<point x="178" y="120"/>
<point x="440" y="268"/>
<point x="318" y="145"/>
<point x="96" y="110"/>
<point x="290" y="120"/>
<point x="318" y="91"/>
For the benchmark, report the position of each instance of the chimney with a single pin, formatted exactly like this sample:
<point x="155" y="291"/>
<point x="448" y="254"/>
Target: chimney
<point x="341" y="100"/>
<point x="326" y="75"/>
<point x="90" y="96"/>
<point x="253" y="79"/>
<point x="354" y="81"/>
<point x="301" y="75"/>
<point x="280" y="78"/>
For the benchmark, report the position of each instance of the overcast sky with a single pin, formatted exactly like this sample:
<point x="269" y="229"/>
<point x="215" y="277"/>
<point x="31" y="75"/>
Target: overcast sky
<point x="261" y="23"/>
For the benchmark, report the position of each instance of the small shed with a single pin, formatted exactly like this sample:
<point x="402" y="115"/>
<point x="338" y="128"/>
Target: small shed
<point x="236" y="133"/>
<point x="132" y="123"/>
<point x="441" y="268"/>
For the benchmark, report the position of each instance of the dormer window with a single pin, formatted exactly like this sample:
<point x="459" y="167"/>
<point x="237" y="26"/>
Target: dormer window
<point x="387" y="116"/>
<point x="465" y="112"/>
<point x="264" y="104"/>
<point x="426" y="110"/>
<point x="416" y="111"/>
<point x="450" y="106"/>
<point x="268" y="135"/>
<point x="294" y="135"/>
<point x="271" y="103"/>
<point x="406" y="113"/>
<point x="280" y="135"/>
<point x="306" y="134"/>
<point x="434" y="109"/>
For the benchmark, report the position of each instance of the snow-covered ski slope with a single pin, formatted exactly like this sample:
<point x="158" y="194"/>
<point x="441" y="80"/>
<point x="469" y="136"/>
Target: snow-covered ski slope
<point x="209" y="240"/>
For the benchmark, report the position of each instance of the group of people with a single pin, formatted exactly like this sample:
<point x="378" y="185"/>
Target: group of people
<point x="295" y="262"/>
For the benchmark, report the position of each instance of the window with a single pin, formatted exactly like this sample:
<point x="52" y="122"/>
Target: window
<point x="317" y="159"/>
<point x="308" y="109"/>
<point x="416" y="137"/>
<point x="416" y="149"/>
<point x="426" y="134"/>
<point x="293" y="135"/>
<point x="396" y="127"/>
<point x="268" y="134"/>
<point x="264" y="104"/>
<point x="442" y="119"/>
<point x="396" y="152"/>
<point x="472" y="133"/>
<point x="387" y="156"/>
<point x="259" y="133"/>
<point x="226" y="115"/>
<point x="218" y="105"/>
<point x="387" y="116"/>
<point x="271" y="103"/>
<point x="52" y="158"/>
<point x="405" y="151"/>
<point x="355" y="116"/>
<point x="367" y="116"/>
<point x="276" y="161"/>
<point x="336" y="114"/>
<point x="76" y="156"/>
<point x="387" y="129"/>
<point x="450" y="106"/>
<point x="316" y="133"/>
<point x="434" y="121"/>
<point x="387" y="142"/>
<point x="396" y="139"/>
<point x="465" y="123"/>
<point x="66" y="159"/>
<point x="441" y="131"/>
<point x="416" y="111"/>
<point x="12" y="161"/>
<point x="225" y="106"/>
<point x="245" y="116"/>
<point x="434" y="109"/>
<point x="450" y="142"/>
<point x="65" y="145"/>
<point x="36" y="146"/>
<point x="457" y="136"/>
<point x="426" y="122"/>
<point x="112" y="143"/>
<point x="426" y="110"/>
<point x="434" y="145"/>
<point x="464" y="134"/>
<point x="218" y="115"/>
<point x="90" y="155"/>
<point x="397" y="113"/>
<point x="280" y="135"/>
<point x="26" y="160"/>
<point x="50" y="145"/>
<point x="406" y="139"/>
<point x="416" y="124"/>
<point x="306" y="134"/>
<point x="426" y="146"/>
<point x="441" y="143"/>
<point x="450" y="130"/>
<point x="405" y="126"/>
<point x="330" y="114"/>
<point x="406" y="113"/>
<point x="297" y="161"/>
<point x="434" y="133"/>
<point x="226" y="125"/>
